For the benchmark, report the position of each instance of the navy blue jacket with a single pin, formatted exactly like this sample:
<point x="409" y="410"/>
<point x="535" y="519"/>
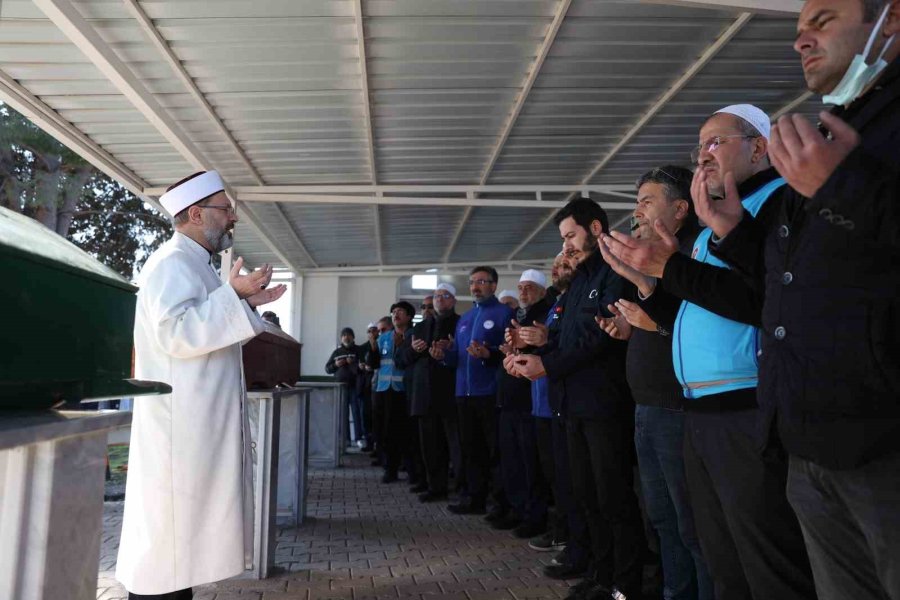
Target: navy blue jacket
<point x="486" y="323"/>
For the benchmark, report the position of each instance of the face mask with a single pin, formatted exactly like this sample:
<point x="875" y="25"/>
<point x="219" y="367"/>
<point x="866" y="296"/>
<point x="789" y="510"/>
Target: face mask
<point x="860" y="74"/>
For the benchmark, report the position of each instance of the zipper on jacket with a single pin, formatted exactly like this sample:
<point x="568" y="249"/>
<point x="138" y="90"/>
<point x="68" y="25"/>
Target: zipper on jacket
<point x="469" y="358"/>
<point x="688" y="393"/>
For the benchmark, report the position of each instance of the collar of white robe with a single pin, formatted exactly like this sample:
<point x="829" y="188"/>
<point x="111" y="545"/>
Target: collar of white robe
<point x="191" y="191"/>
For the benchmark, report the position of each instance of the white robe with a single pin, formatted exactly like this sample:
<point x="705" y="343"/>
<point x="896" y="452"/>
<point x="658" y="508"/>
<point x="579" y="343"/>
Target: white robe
<point x="188" y="516"/>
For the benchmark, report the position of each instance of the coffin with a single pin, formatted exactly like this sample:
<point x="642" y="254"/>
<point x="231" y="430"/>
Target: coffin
<point x="270" y="359"/>
<point x="68" y="321"/>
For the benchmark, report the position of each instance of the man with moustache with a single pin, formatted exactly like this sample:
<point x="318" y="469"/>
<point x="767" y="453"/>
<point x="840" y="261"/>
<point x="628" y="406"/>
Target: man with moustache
<point x="188" y="515"/>
<point x="828" y="261"/>
<point x="589" y="368"/>
<point x="749" y="535"/>
<point x="475" y="352"/>
<point x="431" y="393"/>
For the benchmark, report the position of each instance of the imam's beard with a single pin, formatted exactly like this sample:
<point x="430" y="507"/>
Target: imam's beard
<point x="219" y="240"/>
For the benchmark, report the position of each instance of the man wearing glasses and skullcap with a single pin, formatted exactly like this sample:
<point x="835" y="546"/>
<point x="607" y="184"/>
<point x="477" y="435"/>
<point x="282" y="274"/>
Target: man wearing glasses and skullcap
<point x="188" y="519"/>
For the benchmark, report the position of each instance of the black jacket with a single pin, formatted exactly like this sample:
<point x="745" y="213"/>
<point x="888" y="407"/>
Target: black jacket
<point x="431" y="385"/>
<point x="649" y="369"/>
<point x="830" y="364"/>
<point x="586" y="365"/>
<point x="350" y="373"/>
<point x="514" y="393"/>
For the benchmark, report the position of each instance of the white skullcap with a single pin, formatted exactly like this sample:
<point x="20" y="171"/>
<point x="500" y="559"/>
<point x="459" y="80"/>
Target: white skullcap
<point x="534" y="276"/>
<point x="447" y="287"/>
<point x="752" y="115"/>
<point x="508" y="294"/>
<point x="371" y="326"/>
<point x="191" y="191"/>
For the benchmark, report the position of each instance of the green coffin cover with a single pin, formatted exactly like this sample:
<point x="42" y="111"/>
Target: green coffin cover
<point x="69" y="321"/>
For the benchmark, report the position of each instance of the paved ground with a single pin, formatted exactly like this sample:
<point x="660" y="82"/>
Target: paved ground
<point x="367" y="540"/>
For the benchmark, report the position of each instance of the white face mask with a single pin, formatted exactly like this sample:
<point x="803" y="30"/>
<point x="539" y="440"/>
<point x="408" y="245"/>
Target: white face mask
<point x="859" y="74"/>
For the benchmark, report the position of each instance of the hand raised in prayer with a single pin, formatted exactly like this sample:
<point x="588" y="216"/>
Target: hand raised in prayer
<point x="805" y="158"/>
<point x="444" y="345"/>
<point x="530" y="366"/>
<point x="533" y="335"/>
<point x="635" y="315"/>
<point x="419" y="345"/>
<point x="616" y="326"/>
<point x="509" y="365"/>
<point x="721" y="215"/>
<point x="436" y="352"/>
<point x="248" y="285"/>
<point x="267" y="295"/>
<point x="645" y="256"/>
<point x="511" y="335"/>
<point x="478" y="350"/>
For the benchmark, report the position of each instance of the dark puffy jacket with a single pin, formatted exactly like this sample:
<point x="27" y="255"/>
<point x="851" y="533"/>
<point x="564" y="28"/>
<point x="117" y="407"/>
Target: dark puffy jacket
<point x="830" y="363"/>
<point x="432" y="384"/>
<point x="584" y="364"/>
<point x="349" y="373"/>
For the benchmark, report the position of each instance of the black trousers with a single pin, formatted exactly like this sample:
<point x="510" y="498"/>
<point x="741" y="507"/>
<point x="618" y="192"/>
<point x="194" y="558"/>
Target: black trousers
<point x="851" y="524"/>
<point x="748" y="533"/>
<point x="543" y="430"/>
<point x="439" y="435"/>
<point x="478" y="435"/>
<point x="576" y="533"/>
<point x="523" y="481"/>
<point x="601" y="453"/>
<point x="378" y="422"/>
<point x="179" y="595"/>
<point x="395" y="429"/>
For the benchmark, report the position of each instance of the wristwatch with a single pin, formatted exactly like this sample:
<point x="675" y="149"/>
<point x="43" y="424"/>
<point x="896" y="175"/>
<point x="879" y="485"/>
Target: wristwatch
<point x="662" y="331"/>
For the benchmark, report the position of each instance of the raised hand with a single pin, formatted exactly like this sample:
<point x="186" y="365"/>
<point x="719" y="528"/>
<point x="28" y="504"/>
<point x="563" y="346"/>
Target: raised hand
<point x="635" y="315"/>
<point x="644" y="283"/>
<point x="267" y="295"/>
<point x="478" y="350"/>
<point x="249" y="284"/>
<point x="419" y="345"/>
<point x="617" y="326"/>
<point x="721" y="215"/>
<point x="645" y="256"/>
<point x="534" y="335"/>
<point x="805" y="158"/>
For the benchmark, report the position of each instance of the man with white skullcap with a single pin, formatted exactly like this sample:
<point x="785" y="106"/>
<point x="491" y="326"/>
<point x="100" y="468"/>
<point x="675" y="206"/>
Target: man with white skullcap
<point x="740" y="505"/>
<point x="188" y="514"/>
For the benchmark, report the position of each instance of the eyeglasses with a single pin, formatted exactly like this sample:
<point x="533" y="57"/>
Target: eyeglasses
<point x="444" y="296"/>
<point x="427" y="307"/>
<point x="713" y="143"/>
<point x="480" y="281"/>
<point x="229" y="210"/>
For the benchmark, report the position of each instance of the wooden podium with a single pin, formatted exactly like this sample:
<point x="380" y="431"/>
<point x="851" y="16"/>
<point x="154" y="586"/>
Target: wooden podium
<point x="270" y="359"/>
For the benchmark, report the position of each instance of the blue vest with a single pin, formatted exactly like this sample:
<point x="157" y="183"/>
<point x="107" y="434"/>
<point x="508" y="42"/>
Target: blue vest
<point x="713" y="354"/>
<point x="389" y="376"/>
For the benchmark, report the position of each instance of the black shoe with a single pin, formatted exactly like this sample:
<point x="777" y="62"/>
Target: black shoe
<point x="418" y="488"/>
<point x="507" y="522"/>
<point x="466" y="509"/>
<point x="432" y="496"/>
<point x="547" y="543"/>
<point x="376" y="462"/>
<point x="367" y="449"/>
<point x="565" y="571"/>
<point x="596" y="592"/>
<point x="529" y="530"/>
<point x="496" y="514"/>
<point x="389" y="477"/>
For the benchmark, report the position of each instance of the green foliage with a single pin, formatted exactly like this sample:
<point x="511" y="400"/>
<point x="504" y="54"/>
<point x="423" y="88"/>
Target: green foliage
<point x="43" y="179"/>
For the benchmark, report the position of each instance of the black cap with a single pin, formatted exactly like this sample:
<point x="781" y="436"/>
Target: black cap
<point x="347" y="331"/>
<point x="409" y="308"/>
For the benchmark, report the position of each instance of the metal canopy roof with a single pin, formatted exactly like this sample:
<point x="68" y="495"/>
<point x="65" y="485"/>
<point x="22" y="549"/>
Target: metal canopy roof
<point x="376" y="134"/>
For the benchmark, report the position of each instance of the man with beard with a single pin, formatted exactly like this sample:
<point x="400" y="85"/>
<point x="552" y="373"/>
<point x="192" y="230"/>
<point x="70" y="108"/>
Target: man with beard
<point x="749" y="535"/>
<point x="187" y="516"/>
<point x="830" y="368"/>
<point x="431" y="393"/>
<point x="526" y="488"/>
<point x="475" y="352"/>
<point x="589" y="368"/>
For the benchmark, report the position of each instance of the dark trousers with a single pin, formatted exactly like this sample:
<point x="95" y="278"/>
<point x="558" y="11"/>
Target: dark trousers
<point x="601" y="454"/>
<point x="576" y="533"/>
<point x="355" y="414"/>
<point x="523" y="482"/>
<point x="659" y="441"/>
<point x="366" y="404"/>
<point x="749" y="535"/>
<point x="851" y="524"/>
<point x="378" y="421"/>
<point x="395" y="429"/>
<point x="439" y="435"/>
<point x="478" y="434"/>
<point x="412" y="451"/>
<point x="179" y="595"/>
<point x="543" y="429"/>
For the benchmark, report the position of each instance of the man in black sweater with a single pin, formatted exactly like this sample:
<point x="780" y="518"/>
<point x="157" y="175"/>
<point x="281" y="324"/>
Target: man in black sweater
<point x="663" y="193"/>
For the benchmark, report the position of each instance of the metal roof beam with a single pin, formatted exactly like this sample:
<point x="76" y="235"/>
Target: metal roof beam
<point x="711" y="51"/>
<point x="772" y="7"/>
<point x="407" y="268"/>
<point x="792" y="105"/>
<point x="418" y="201"/>
<point x="530" y="78"/>
<point x="627" y="189"/>
<point x="292" y="233"/>
<point x="534" y="233"/>
<point x="378" y="244"/>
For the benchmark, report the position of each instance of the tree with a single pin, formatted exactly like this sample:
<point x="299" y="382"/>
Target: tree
<point x="43" y="179"/>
